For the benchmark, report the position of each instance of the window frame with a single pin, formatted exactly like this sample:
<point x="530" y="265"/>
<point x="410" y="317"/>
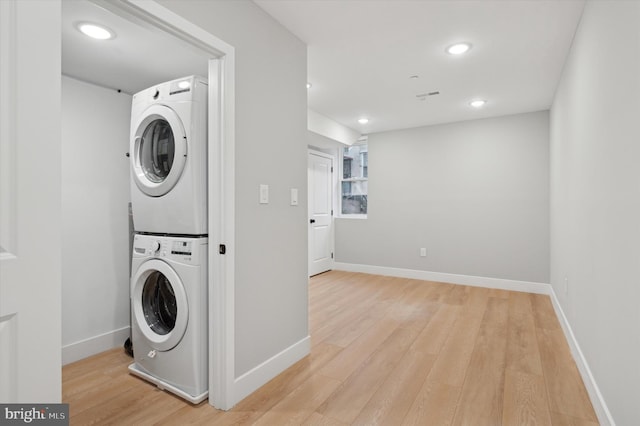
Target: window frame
<point x="341" y="180"/>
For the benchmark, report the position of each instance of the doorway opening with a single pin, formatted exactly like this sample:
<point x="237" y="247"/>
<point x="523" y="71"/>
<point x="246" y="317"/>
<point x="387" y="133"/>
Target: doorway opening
<point x="218" y="64"/>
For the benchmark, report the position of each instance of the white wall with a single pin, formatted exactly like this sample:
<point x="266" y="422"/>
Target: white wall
<point x="475" y="194"/>
<point x="271" y="135"/>
<point x="324" y="144"/>
<point x="331" y="129"/>
<point x="595" y="199"/>
<point x="95" y="224"/>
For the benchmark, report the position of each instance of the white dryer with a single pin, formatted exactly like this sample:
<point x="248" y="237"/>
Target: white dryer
<point x="168" y="153"/>
<point x="169" y="314"/>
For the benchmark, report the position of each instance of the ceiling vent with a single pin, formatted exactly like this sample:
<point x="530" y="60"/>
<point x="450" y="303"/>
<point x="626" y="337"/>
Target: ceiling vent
<point x="423" y="96"/>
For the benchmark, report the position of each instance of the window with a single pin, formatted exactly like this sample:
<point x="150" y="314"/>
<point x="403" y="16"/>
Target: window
<point x="355" y="174"/>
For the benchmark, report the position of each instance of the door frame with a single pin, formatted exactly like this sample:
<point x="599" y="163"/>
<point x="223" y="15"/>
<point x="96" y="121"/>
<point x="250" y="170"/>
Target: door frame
<point x="221" y="184"/>
<point x="334" y="189"/>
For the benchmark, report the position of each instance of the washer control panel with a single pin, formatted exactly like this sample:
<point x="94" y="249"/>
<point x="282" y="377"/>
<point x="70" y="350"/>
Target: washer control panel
<point x="180" y="249"/>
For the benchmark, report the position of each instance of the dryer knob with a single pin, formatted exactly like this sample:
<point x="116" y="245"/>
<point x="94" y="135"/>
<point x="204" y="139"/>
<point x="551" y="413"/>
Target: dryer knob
<point x="155" y="246"/>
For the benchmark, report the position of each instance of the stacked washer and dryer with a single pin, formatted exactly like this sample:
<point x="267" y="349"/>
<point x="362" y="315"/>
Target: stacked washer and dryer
<point x="168" y="152"/>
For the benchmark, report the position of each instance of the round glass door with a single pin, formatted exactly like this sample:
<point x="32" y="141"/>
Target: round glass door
<point x="159" y="150"/>
<point x="159" y="302"/>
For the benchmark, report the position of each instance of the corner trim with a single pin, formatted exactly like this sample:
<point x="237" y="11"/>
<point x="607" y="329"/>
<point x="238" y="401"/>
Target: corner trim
<point x="94" y="345"/>
<point x="597" y="400"/>
<point x="261" y="374"/>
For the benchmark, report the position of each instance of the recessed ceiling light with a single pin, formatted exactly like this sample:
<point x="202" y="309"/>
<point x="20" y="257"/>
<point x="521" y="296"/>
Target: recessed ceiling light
<point x="478" y="103"/>
<point x="309" y="85"/>
<point x="363" y="120"/>
<point x="95" y="31"/>
<point x="458" y="48"/>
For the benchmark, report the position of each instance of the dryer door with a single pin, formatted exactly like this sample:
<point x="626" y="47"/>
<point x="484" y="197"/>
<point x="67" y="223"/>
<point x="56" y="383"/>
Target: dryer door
<point x="159" y="304"/>
<point x="158" y="150"/>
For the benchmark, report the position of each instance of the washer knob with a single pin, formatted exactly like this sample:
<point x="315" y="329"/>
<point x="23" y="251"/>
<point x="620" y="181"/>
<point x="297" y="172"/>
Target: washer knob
<point x="155" y="246"/>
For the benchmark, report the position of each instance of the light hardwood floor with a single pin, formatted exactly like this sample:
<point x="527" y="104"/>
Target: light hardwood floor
<point x="385" y="350"/>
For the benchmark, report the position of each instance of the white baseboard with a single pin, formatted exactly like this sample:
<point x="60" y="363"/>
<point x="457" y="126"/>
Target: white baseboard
<point x="260" y="375"/>
<point x="497" y="283"/>
<point x="94" y="345"/>
<point x="599" y="404"/>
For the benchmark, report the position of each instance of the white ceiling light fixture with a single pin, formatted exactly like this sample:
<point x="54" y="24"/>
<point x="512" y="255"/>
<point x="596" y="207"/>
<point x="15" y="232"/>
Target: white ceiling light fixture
<point x="309" y="85"/>
<point x="363" y="120"/>
<point x="458" y="48"/>
<point x="98" y="32"/>
<point x="478" y="103"/>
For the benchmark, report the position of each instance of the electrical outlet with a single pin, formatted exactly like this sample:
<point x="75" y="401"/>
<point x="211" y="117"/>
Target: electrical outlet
<point x="264" y="194"/>
<point x="423" y="252"/>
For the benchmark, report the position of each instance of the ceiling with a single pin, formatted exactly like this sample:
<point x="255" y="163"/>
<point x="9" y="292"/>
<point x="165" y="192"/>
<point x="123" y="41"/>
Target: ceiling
<point x="361" y="55"/>
<point x="139" y="57"/>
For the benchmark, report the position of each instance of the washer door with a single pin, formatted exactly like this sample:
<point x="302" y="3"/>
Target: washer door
<point x="159" y="150"/>
<point x="159" y="302"/>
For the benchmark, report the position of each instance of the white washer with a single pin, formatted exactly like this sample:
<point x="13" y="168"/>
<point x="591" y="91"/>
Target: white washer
<point x="169" y="314"/>
<point x="168" y="152"/>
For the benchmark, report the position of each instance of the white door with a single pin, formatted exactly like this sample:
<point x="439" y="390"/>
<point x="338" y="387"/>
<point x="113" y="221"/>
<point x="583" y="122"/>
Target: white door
<point x="30" y="201"/>
<point x="320" y="213"/>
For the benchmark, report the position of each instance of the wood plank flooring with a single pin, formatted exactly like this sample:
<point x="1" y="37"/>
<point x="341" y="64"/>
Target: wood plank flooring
<point x="385" y="351"/>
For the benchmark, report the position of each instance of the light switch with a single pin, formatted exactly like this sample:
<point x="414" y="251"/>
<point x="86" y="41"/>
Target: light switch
<point x="294" y="196"/>
<point x="264" y="194"/>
